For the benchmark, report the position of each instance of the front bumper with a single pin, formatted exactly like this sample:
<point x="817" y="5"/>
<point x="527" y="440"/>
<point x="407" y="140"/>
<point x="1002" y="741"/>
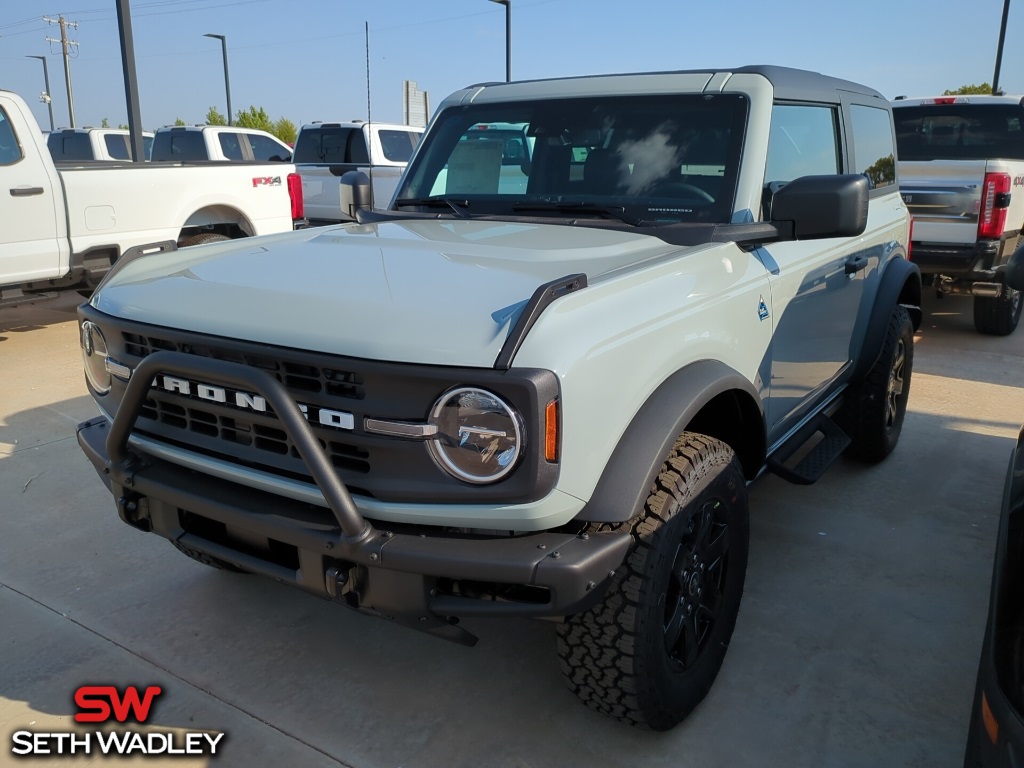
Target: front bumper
<point x="420" y="576"/>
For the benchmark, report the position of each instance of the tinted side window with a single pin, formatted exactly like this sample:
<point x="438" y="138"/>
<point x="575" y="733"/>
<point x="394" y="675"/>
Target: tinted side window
<point x="10" y="151"/>
<point x="117" y="146"/>
<point x="873" y="152"/>
<point x="398" y="145"/>
<point x="179" y="146"/>
<point x="266" y="149"/>
<point x="230" y="146"/>
<point x="71" y="145"/>
<point x="322" y="145"/>
<point x="357" y="151"/>
<point x="804" y="141"/>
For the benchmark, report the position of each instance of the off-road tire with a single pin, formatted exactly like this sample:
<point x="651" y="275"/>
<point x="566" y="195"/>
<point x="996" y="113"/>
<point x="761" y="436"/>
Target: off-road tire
<point x="202" y="238"/>
<point x="201" y="557"/>
<point x="998" y="316"/>
<point x="875" y="407"/>
<point x="639" y="655"/>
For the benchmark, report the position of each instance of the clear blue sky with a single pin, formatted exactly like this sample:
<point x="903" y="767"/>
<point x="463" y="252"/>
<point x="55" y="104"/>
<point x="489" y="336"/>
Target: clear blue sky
<point x="306" y="59"/>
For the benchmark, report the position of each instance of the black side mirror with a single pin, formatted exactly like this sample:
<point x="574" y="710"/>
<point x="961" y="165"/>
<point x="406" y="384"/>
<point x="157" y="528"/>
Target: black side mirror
<point x="1015" y="269"/>
<point x="823" y="206"/>
<point x="356" y="193"/>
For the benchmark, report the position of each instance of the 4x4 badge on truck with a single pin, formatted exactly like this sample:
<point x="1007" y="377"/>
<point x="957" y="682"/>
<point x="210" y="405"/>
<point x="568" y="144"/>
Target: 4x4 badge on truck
<point x="762" y="309"/>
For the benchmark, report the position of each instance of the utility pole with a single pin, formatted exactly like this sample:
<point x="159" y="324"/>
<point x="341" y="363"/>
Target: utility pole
<point x="999" y="48"/>
<point x="65" y="44"/>
<point x="46" y="79"/>
<point x="508" y="37"/>
<point x="131" y="81"/>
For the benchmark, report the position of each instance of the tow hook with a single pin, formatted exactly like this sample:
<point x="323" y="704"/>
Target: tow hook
<point x="338" y="582"/>
<point x="133" y="509"/>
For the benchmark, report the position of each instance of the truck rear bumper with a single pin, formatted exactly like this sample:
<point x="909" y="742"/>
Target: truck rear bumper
<point x="971" y="261"/>
<point x="425" y="577"/>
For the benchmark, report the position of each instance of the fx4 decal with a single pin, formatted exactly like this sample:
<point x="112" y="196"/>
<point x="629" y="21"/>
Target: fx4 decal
<point x="266" y="181"/>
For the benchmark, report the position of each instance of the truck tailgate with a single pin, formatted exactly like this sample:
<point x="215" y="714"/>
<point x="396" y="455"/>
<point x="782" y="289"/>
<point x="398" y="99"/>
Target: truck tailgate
<point x="944" y="197"/>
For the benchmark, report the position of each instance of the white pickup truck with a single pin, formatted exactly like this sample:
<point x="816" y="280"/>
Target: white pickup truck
<point x="64" y="228"/>
<point x="961" y="170"/>
<point x="75" y="145"/>
<point x="324" y="152"/>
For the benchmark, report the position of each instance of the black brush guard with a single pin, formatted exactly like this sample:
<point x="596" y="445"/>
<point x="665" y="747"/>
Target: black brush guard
<point x="392" y="575"/>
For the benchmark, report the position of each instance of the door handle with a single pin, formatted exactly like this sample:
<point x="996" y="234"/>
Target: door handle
<point x="853" y="266"/>
<point x="26" y="191"/>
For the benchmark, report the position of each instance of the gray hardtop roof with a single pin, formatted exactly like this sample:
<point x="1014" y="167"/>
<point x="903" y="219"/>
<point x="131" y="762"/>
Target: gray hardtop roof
<point x="788" y="83"/>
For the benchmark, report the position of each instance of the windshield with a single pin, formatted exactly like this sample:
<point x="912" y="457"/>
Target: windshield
<point x="643" y="159"/>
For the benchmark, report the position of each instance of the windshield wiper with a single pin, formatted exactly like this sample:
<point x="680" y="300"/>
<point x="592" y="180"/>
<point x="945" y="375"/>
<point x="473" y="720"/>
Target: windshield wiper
<point x="614" y="211"/>
<point x="436" y="202"/>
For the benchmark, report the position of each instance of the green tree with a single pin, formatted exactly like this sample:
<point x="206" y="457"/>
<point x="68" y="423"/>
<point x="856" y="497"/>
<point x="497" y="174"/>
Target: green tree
<point x="882" y="172"/>
<point x="179" y="121"/>
<point x="123" y="126"/>
<point x="104" y="123"/>
<point x="965" y="90"/>
<point x="285" y="130"/>
<point x="254" y="118"/>
<point x="213" y="117"/>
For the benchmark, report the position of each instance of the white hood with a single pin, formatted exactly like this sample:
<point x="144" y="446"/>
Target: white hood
<point x="419" y="291"/>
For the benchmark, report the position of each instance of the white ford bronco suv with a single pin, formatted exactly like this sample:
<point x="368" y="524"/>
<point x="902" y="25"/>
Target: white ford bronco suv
<point x="536" y="390"/>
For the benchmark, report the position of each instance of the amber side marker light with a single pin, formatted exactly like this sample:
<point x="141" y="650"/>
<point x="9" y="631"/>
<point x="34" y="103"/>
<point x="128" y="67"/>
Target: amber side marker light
<point x="551" y="431"/>
<point x="991" y="726"/>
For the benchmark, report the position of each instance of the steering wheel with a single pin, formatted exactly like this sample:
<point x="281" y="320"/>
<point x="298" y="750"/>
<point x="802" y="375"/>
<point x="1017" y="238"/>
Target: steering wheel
<point x="683" y="190"/>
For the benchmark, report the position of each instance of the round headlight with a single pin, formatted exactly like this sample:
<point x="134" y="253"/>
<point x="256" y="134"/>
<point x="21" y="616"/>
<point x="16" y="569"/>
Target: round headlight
<point x="94" y="353"/>
<point x="479" y="436"/>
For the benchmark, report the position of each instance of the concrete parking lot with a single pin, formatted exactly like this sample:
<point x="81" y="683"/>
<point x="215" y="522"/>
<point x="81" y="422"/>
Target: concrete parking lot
<point x="856" y="645"/>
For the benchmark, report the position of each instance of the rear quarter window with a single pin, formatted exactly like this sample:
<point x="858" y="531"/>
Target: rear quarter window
<point x="873" y="152"/>
<point x="117" y="146"/>
<point x="230" y="146"/>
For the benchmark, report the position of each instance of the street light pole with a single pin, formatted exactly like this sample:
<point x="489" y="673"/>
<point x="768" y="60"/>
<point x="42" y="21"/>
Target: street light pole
<point x="508" y="37"/>
<point x="227" y="80"/>
<point x="46" y="79"/>
<point x="999" y="48"/>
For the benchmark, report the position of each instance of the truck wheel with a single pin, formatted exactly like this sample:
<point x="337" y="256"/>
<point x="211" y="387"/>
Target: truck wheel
<point x="649" y="652"/>
<point x="213" y="562"/>
<point x="201" y="238"/>
<point x="874" y="409"/>
<point x="998" y="316"/>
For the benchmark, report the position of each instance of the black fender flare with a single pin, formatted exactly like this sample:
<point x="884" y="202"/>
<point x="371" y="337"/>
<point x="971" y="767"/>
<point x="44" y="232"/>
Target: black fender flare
<point x="634" y="464"/>
<point x="900" y="284"/>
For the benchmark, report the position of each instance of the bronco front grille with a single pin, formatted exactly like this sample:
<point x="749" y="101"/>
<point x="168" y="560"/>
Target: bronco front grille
<point x="301" y="377"/>
<point x="336" y="393"/>
<point x="246" y="433"/>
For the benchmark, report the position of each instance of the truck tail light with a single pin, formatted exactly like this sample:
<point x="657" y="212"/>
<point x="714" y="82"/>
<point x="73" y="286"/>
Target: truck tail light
<point x="995" y="199"/>
<point x="910" y="240"/>
<point x="295" y="193"/>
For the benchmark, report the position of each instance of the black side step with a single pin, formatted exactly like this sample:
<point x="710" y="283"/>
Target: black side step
<point x="787" y="462"/>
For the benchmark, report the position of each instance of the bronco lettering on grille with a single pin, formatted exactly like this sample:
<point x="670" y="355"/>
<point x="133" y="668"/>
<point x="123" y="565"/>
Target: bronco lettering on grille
<point x="249" y="402"/>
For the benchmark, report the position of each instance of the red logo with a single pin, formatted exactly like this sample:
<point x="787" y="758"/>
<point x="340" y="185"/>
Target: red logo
<point x="97" y="702"/>
<point x="266" y="181"/>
